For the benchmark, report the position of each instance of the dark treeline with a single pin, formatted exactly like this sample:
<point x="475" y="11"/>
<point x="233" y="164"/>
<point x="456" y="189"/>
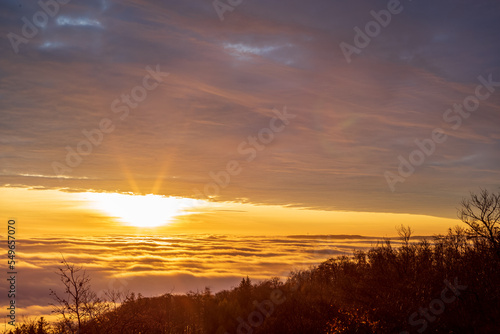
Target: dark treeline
<point x="450" y="284"/>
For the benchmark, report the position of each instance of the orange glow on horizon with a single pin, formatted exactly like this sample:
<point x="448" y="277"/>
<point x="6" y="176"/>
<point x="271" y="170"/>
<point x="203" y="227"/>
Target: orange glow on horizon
<point x="60" y="212"/>
<point x="142" y="210"/>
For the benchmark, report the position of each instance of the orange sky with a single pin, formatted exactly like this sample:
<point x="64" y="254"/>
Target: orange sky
<point x="164" y="98"/>
<point x="52" y="212"/>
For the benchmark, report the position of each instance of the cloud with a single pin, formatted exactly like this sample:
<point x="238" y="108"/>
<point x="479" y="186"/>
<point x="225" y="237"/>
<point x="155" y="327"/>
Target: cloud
<point x="353" y="120"/>
<point x="156" y="265"/>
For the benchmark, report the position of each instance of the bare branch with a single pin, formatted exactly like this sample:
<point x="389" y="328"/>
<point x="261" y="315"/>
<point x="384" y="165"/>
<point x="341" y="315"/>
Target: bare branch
<point x="481" y="212"/>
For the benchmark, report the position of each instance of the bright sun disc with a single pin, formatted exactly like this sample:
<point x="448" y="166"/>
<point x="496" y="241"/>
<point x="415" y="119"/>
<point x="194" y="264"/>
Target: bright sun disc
<point x="143" y="210"/>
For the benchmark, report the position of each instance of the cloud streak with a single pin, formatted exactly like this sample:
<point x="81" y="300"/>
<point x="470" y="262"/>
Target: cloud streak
<point x="352" y="120"/>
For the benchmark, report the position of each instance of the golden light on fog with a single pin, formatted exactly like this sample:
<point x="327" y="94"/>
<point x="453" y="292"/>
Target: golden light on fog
<point x="143" y="210"/>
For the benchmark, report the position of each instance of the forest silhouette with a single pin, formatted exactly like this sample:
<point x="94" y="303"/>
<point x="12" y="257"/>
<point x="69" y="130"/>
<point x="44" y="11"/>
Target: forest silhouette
<point x="449" y="284"/>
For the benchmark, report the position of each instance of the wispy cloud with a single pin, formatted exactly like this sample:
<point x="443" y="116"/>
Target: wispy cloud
<point x="353" y="121"/>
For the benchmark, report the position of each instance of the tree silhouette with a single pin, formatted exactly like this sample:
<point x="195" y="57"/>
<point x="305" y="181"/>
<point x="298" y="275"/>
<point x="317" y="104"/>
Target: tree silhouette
<point x="481" y="212"/>
<point x="79" y="302"/>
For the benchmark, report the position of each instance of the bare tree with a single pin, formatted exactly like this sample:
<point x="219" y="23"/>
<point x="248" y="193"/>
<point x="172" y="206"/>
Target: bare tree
<point x="404" y="233"/>
<point x="79" y="302"/>
<point x="481" y="212"/>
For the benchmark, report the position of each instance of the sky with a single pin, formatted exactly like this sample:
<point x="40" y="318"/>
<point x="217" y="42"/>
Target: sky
<point x="261" y="118"/>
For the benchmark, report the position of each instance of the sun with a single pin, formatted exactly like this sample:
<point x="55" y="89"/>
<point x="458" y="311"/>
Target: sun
<point x="143" y="210"/>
